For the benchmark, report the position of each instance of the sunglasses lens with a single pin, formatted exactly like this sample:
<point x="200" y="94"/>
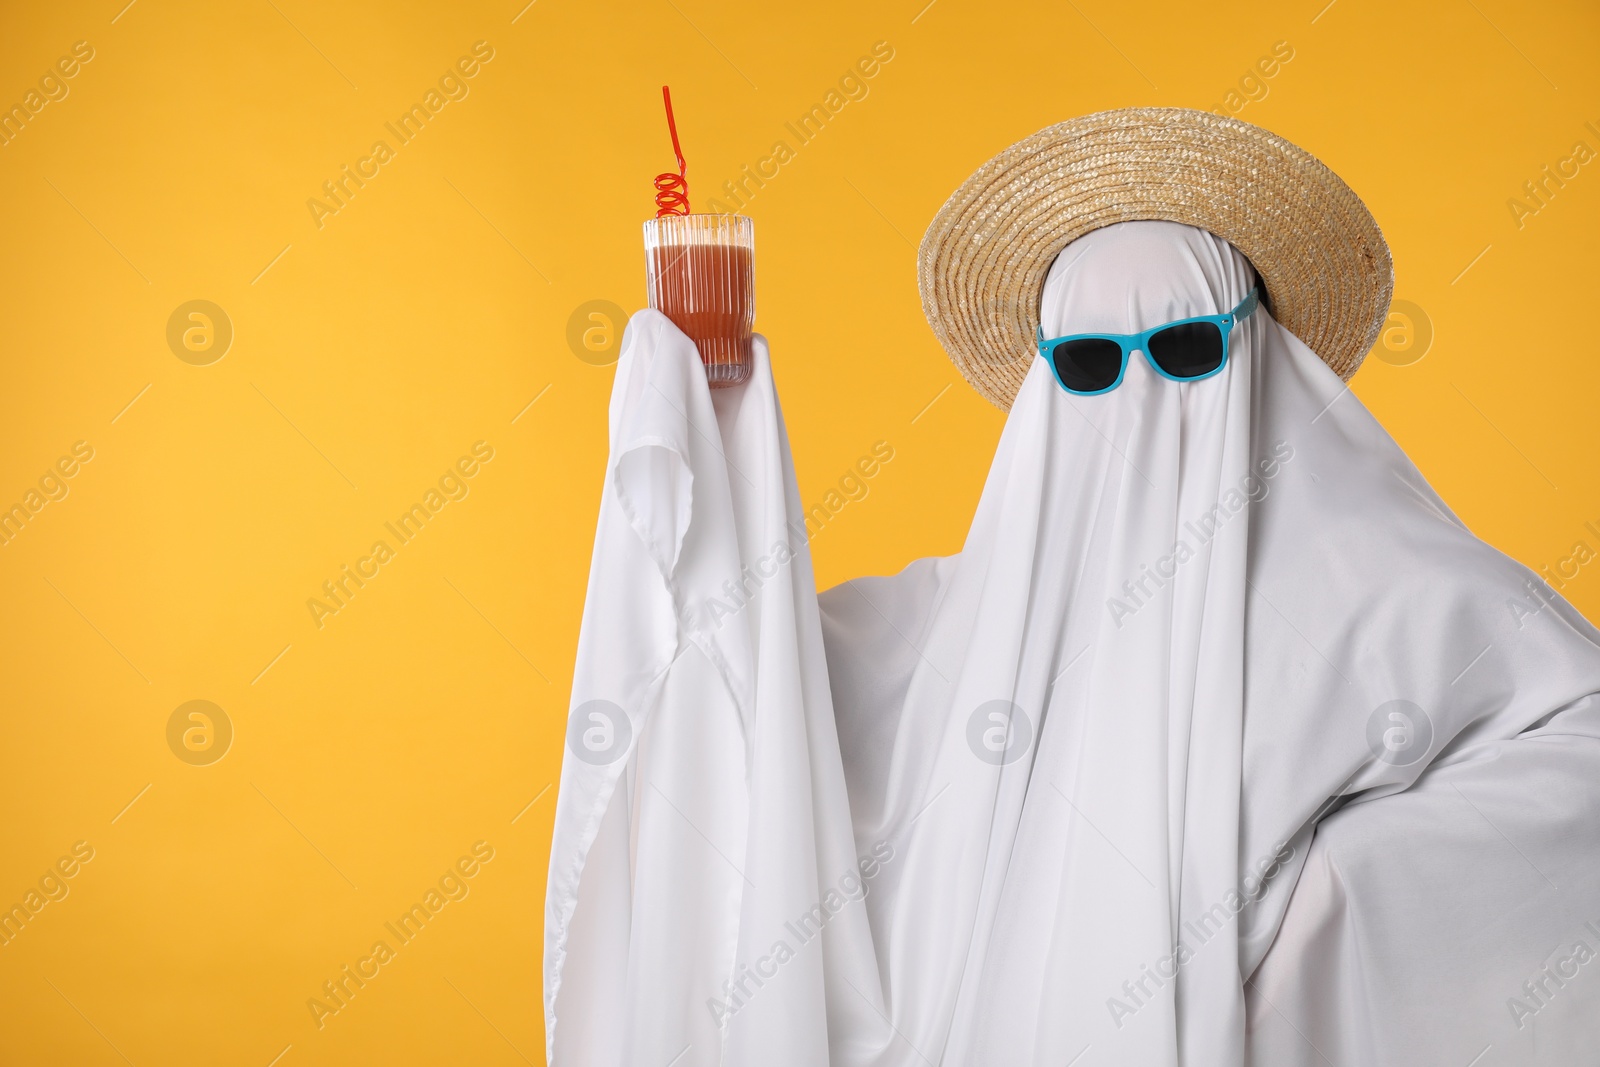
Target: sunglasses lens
<point x="1188" y="350"/>
<point x="1088" y="364"/>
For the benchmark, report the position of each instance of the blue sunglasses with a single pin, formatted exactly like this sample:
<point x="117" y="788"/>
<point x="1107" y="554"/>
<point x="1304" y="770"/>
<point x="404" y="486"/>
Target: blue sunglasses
<point x="1189" y="350"/>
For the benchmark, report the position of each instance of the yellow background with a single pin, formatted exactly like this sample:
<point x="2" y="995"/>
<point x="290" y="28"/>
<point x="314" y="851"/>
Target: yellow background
<point x="370" y="353"/>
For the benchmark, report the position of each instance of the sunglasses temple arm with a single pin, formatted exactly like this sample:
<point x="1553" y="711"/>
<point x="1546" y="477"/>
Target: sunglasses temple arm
<point x="1246" y="306"/>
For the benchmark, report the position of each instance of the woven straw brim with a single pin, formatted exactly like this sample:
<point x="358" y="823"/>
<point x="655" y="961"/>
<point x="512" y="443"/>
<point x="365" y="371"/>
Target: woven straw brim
<point x="1316" y="247"/>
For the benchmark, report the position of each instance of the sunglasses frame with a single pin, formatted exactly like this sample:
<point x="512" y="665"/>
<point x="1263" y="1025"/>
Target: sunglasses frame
<point x="1131" y="342"/>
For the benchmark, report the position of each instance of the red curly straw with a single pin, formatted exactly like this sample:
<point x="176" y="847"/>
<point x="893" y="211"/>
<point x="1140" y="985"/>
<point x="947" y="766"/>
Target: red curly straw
<point x="672" y="190"/>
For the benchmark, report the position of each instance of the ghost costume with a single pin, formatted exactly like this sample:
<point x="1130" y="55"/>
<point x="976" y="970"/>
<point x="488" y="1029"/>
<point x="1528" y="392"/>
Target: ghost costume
<point x="1221" y="741"/>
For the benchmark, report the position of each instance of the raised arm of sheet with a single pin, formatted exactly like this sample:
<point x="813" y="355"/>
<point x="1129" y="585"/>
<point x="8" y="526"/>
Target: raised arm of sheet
<point x="703" y="901"/>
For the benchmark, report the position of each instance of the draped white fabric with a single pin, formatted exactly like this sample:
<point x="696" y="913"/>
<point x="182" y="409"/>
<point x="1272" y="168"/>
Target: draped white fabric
<point x="1458" y="921"/>
<point x="702" y="818"/>
<point x="1078" y="766"/>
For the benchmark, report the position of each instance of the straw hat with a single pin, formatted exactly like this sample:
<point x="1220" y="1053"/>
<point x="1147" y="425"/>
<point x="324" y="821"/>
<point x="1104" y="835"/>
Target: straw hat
<point x="1317" y="248"/>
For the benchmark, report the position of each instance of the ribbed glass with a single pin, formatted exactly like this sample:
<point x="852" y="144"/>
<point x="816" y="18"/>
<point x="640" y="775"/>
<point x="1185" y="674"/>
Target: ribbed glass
<point x="700" y="272"/>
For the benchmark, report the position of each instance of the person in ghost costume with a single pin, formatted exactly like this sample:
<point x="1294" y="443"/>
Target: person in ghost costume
<point x="1221" y="741"/>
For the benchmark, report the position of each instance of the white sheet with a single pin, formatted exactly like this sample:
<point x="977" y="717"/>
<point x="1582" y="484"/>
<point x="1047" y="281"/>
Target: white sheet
<point x="1457" y="922"/>
<point x="702" y="820"/>
<point x="1206" y="603"/>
